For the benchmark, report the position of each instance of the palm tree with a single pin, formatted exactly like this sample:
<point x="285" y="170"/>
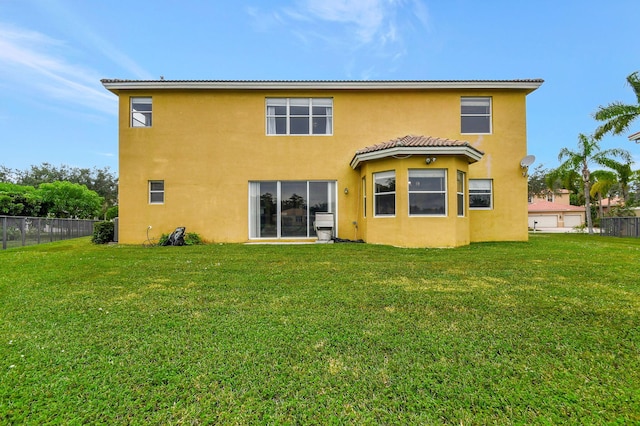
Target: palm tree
<point x="588" y="152"/>
<point x="571" y="180"/>
<point x="604" y="180"/>
<point x="617" y="115"/>
<point x="624" y="174"/>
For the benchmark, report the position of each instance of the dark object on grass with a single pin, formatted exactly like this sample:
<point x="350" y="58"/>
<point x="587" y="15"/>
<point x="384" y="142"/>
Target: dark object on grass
<point x="176" y="238"/>
<point x="342" y="240"/>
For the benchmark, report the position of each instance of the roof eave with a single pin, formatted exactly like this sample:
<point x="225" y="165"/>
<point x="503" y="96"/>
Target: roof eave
<point x="471" y="153"/>
<point x="116" y="85"/>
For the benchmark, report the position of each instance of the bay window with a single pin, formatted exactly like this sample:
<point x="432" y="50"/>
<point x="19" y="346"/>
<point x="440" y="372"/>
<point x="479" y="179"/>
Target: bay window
<point x="384" y="193"/>
<point x="427" y="192"/>
<point x="460" y="192"/>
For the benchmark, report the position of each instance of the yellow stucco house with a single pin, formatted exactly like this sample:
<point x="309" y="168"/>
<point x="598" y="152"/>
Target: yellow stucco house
<point x="405" y="163"/>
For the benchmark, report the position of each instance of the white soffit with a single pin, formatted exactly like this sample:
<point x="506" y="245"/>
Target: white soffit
<point x="471" y="153"/>
<point x="115" y="85"/>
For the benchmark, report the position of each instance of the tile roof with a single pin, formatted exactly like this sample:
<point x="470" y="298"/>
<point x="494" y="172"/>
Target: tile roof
<point x="548" y="206"/>
<point x="417" y="145"/>
<point x="416" y="141"/>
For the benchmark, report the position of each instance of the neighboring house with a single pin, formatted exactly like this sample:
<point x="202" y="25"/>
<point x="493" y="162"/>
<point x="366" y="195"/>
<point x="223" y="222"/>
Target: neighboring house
<point x="635" y="137"/>
<point x="609" y="203"/>
<point x="561" y="196"/>
<point x="555" y="211"/>
<point x="405" y="163"/>
<point x="545" y="214"/>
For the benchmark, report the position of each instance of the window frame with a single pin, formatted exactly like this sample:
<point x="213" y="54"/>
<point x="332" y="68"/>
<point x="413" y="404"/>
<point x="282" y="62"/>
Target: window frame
<point x="376" y="194"/>
<point x="488" y="115"/>
<point x="460" y="188"/>
<point x="444" y="192"/>
<point x="153" y="191"/>
<point x="279" y="229"/>
<point x="364" y="196"/>
<point x="271" y="126"/>
<point x="484" y="192"/>
<point x="140" y="100"/>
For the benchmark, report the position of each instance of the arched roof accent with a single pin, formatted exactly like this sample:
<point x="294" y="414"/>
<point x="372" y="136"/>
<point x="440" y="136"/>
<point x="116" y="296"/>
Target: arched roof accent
<point x="417" y="145"/>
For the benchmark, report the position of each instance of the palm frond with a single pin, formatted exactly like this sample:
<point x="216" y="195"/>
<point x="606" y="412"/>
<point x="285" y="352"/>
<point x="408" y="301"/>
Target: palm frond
<point x="634" y="81"/>
<point x="617" y="115"/>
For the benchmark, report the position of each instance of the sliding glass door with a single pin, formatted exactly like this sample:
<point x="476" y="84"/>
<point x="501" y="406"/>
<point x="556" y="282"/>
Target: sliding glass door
<point x="286" y="209"/>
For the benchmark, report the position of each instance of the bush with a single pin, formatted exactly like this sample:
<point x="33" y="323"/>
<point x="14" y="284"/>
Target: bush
<point x="103" y="232"/>
<point x="111" y="213"/>
<point x="192" y="239"/>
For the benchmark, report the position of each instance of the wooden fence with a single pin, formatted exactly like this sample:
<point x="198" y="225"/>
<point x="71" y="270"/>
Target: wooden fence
<point x="620" y="226"/>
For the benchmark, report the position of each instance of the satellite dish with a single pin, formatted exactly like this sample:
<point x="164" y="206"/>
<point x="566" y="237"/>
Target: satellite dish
<point x="527" y="161"/>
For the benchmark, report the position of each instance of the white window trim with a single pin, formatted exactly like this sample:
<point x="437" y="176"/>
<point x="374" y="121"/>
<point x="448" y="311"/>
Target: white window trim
<point x="364" y="197"/>
<point x="151" y="191"/>
<point x="140" y="100"/>
<point x="446" y="197"/>
<point x="458" y="193"/>
<point x="490" y="194"/>
<point x="490" y="132"/>
<point x="288" y="117"/>
<point x="375" y="194"/>
<point x="333" y="201"/>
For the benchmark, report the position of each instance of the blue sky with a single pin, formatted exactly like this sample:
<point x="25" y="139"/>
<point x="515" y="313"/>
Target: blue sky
<point x="53" y="54"/>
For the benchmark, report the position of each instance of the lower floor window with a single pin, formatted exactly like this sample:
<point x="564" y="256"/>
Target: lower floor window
<point x="480" y="194"/>
<point x="156" y="191"/>
<point x="285" y="209"/>
<point x="427" y="192"/>
<point x="384" y="193"/>
<point x="460" y="193"/>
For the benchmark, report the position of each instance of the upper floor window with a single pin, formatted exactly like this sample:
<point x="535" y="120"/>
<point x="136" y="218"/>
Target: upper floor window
<point x="427" y="192"/>
<point x="480" y="194"/>
<point x="475" y="115"/>
<point x="299" y="116"/>
<point x="141" y="112"/>
<point x="384" y="193"/>
<point x="156" y="192"/>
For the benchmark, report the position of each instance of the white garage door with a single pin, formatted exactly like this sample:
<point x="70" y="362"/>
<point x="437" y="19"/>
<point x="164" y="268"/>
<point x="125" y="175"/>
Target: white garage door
<point x="550" y="221"/>
<point x="572" y="220"/>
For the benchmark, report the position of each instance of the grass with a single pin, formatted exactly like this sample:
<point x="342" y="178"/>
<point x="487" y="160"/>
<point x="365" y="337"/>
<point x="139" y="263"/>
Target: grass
<point x="510" y="333"/>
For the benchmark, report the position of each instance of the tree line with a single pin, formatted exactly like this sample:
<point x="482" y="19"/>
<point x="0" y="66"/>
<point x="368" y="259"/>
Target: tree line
<point x="575" y="171"/>
<point x="63" y="191"/>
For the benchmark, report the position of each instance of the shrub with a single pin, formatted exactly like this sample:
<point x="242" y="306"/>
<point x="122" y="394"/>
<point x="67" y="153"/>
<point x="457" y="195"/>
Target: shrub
<point x="103" y="232"/>
<point x="112" y="213"/>
<point x="192" y="239"/>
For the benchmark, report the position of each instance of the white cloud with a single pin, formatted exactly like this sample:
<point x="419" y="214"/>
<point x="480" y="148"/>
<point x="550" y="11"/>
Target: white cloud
<point x="366" y="17"/>
<point x="106" y="154"/>
<point x="368" y="21"/>
<point x="379" y="29"/>
<point x="34" y="62"/>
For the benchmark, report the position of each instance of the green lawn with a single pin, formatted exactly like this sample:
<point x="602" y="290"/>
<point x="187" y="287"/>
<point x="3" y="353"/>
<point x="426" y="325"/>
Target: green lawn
<point x="541" y="332"/>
